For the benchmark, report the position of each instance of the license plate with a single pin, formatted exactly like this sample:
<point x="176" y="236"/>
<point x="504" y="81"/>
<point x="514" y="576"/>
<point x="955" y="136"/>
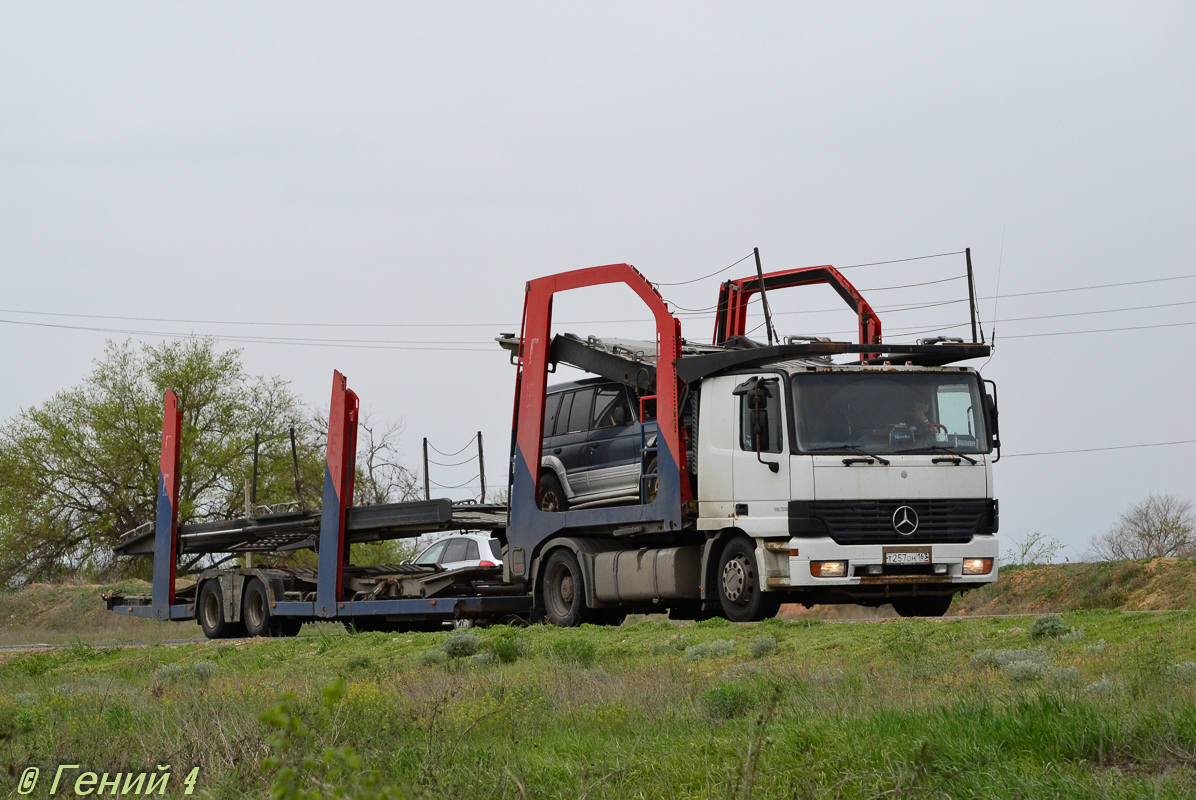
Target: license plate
<point x="898" y="557"/>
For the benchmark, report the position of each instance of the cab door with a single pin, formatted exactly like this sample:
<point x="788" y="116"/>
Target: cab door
<point x="760" y="463"/>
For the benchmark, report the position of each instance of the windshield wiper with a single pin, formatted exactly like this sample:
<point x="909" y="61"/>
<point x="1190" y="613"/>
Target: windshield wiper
<point x="940" y="449"/>
<point x="852" y="448"/>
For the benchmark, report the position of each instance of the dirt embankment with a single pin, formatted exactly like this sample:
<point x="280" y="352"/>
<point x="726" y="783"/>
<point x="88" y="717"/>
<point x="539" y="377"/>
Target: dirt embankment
<point x="1154" y="585"/>
<point x="61" y="614"/>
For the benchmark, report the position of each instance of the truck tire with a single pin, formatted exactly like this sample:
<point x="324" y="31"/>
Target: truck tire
<point x="563" y="589"/>
<point x="922" y="606"/>
<point x="257" y="617"/>
<point x="552" y="496"/>
<point x="738" y="580"/>
<point x="210" y="612"/>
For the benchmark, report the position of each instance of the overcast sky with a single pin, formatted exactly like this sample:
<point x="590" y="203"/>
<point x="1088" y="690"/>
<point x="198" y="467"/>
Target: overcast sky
<point x="413" y="164"/>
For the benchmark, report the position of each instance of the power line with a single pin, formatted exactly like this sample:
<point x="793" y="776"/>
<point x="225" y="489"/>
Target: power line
<point x="711" y="275"/>
<point x="891" y="309"/>
<point x="1099" y="449"/>
<point x="900" y="260"/>
<point x="472" y="439"/>
<point x="1100" y="330"/>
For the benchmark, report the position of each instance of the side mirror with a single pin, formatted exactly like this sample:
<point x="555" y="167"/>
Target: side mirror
<point x="991" y="415"/>
<point x="620" y="415"/>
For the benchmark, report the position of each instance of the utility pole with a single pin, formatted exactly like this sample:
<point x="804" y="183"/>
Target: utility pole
<point x="427" y="486"/>
<point x="481" y="466"/>
<point x="249" y="515"/>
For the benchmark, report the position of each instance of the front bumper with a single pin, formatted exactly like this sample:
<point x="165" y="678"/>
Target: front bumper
<point x="804" y="550"/>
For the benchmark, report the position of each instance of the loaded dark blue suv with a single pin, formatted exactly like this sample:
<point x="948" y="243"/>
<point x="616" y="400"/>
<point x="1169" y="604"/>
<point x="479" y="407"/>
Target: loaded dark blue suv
<point x="592" y="446"/>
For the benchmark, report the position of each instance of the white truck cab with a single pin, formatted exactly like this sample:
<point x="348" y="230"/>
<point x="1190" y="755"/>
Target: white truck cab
<point x="857" y="483"/>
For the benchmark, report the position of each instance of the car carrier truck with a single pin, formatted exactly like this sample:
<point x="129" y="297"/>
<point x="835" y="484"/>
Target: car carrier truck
<point x="799" y="470"/>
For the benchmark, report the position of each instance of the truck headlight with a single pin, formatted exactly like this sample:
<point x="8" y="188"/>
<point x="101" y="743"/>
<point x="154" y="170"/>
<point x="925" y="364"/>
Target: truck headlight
<point x="828" y="569"/>
<point x="977" y="566"/>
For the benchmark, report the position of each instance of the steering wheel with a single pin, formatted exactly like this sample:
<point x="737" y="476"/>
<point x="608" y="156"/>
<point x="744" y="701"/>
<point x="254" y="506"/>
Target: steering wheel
<point x="942" y="428"/>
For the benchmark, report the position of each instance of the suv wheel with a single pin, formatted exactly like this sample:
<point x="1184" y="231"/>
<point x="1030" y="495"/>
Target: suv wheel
<point x="552" y="496"/>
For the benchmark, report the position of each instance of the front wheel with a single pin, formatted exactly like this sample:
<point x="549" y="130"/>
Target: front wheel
<point x="922" y="606"/>
<point x="739" y="590"/>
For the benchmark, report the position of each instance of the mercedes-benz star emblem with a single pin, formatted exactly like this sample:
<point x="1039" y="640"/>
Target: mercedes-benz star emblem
<point x="905" y="520"/>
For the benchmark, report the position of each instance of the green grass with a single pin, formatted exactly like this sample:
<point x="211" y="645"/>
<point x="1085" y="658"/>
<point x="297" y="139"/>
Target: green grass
<point x="834" y="711"/>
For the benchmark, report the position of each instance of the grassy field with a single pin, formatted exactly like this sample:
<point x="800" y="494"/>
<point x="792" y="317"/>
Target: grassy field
<point x="1096" y="704"/>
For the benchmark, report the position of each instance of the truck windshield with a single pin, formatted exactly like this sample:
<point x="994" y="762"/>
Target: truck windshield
<point x="889" y="412"/>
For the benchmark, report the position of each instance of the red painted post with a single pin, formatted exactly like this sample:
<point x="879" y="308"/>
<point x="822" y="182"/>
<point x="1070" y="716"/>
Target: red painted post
<point x="166" y="531"/>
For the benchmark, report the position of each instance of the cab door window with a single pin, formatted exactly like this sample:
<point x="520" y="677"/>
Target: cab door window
<point x="770" y="442"/>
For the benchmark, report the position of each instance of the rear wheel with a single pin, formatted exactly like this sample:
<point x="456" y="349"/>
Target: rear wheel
<point x="650" y="484"/>
<point x="552" y="496"/>
<point x="211" y="612"/>
<point x="739" y="584"/>
<point x="258" y="617"/>
<point x="563" y="589"/>
<point x="922" y="606"/>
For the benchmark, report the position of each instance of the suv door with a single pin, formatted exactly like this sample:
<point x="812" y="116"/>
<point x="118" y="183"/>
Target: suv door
<point x="612" y="458"/>
<point x="568" y="443"/>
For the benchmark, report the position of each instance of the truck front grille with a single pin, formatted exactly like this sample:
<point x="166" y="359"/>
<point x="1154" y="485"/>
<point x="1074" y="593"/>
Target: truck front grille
<point x="871" y="522"/>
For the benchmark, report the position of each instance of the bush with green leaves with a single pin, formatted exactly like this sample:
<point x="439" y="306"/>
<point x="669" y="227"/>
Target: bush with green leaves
<point x="727" y="700"/>
<point x="1184" y="672"/>
<point x="462" y="643"/>
<point x="1051" y="626"/>
<point x="203" y="671"/>
<point x="763" y="646"/>
<point x="673" y="644"/>
<point x="169" y="673"/>
<point x="508" y="645"/>
<point x="719" y="648"/>
<point x="575" y="650"/>
<point x="1030" y="664"/>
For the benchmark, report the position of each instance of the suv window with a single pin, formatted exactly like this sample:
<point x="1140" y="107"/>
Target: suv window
<point x="551" y="405"/>
<point x="562" y="417"/>
<point x="579" y="414"/>
<point x="432" y="554"/>
<point x="606" y="403"/>
<point x="496" y="549"/>
<point x="457" y="550"/>
<point x="471" y="550"/>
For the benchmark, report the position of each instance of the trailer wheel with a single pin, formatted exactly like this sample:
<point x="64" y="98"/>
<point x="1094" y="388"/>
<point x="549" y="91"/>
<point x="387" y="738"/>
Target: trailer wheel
<point x="564" y="589"/>
<point x="934" y="606"/>
<point x="739" y="584"/>
<point x="259" y="620"/>
<point x="552" y="496"/>
<point x="211" y="612"/>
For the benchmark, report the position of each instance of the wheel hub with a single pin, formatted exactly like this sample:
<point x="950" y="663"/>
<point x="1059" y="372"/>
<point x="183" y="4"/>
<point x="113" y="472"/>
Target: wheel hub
<point x="735" y="579"/>
<point x="566" y="590"/>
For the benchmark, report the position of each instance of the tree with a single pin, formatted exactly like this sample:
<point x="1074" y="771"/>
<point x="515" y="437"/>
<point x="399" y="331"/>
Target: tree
<point x="82" y="469"/>
<point x="1159" y="526"/>
<point x="1031" y="548"/>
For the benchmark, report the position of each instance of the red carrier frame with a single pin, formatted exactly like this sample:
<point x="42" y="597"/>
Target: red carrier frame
<point x="528" y="527"/>
<point x="734" y="296"/>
